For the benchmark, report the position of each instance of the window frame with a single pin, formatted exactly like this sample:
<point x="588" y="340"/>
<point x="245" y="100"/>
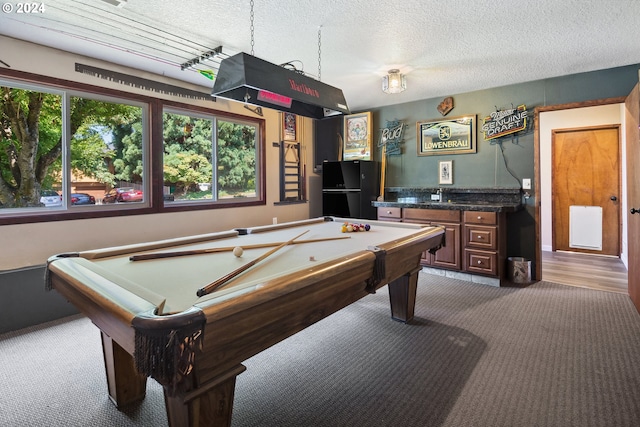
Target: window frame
<point x="146" y="153"/>
<point x="153" y="123"/>
<point x="216" y="115"/>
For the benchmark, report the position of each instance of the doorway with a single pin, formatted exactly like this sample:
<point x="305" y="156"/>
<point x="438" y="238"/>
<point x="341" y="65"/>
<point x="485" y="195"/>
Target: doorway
<point x="570" y="116"/>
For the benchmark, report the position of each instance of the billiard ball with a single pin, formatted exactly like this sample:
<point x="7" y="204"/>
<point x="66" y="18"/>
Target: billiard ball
<point x="238" y="251"/>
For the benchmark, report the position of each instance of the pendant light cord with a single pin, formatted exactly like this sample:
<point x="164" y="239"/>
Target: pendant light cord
<point x="319" y="51"/>
<point x="251" y="28"/>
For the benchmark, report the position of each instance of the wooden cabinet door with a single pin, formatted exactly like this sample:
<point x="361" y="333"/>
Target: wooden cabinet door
<point x="449" y="255"/>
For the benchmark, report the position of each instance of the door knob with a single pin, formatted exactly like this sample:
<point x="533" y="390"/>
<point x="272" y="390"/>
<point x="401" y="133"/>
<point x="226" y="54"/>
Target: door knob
<point x="614" y="198"/>
<point x="634" y="211"/>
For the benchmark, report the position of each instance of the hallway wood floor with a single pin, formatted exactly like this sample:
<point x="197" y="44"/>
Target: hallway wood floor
<point x="585" y="270"/>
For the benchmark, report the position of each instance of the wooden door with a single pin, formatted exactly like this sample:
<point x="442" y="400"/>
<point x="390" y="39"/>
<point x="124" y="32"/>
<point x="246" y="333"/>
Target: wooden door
<point x="586" y="172"/>
<point x="632" y="118"/>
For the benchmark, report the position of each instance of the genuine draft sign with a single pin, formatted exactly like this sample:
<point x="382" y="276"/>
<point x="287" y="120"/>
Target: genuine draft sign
<point x="505" y="122"/>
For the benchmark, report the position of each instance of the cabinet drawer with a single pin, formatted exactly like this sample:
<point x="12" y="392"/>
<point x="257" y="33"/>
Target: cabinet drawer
<point x="481" y="262"/>
<point x="387" y="213"/>
<point x="429" y="215"/>
<point x="481" y="237"/>
<point x="479" y="217"/>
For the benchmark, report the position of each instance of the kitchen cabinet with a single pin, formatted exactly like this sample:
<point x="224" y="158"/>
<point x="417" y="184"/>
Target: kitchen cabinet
<point x="484" y="243"/>
<point x="475" y="241"/>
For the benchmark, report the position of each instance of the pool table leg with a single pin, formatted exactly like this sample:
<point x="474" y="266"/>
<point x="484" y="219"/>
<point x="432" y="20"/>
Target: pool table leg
<point x="402" y="296"/>
<point x="211" y="404"/>
<point x="125" y="384"/>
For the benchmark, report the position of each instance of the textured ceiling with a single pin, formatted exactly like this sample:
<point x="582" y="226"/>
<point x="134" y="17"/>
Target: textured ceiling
<point x="443" y="47"/>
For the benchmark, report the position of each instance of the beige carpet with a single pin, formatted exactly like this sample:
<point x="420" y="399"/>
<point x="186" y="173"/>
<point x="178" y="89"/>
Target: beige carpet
<point x="543" y="355"/>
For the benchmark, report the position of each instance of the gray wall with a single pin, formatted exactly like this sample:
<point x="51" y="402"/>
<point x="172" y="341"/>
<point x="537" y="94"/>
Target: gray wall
<point x="24" y="302"/>
<point x="486" y="168"/>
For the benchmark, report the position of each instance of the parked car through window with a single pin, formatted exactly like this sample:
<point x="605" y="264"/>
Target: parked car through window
<point x="50" y="198"/>
<point x="120" y="195"/>
<point x="82" y="199"/>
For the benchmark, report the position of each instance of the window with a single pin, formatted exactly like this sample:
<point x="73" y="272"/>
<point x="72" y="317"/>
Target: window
<point x="236" y="160"/>
<point x="42" y="170"/>
<point x="79" y="151"/>
<point x="107" y="153"/>
<point x="188" y="157"/>
<point x="208" y="159"/>
<point x="30" y="148"/>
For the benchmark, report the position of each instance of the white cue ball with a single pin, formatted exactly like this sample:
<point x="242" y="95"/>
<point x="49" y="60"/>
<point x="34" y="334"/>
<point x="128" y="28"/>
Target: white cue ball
<point x="238" y="251"/>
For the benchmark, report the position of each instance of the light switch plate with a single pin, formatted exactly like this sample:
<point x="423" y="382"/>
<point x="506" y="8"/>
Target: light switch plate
<point x="526" y="183"/>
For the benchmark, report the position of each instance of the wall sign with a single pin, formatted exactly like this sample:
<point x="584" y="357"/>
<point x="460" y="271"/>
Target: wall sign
<point x="391" y="137"/>
<point x="505" y="122"/>
<point x="456" y="135"/>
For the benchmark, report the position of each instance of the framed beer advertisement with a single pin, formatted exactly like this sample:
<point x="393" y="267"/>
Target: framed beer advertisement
<point x="456" y="135"/>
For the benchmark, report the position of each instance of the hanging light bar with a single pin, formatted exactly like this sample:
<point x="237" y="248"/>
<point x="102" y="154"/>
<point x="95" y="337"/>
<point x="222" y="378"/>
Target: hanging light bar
<point x="245" y="78"/>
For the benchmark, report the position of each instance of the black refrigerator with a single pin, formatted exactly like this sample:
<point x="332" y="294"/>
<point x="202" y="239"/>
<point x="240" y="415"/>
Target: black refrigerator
<point x="349" y="187"/>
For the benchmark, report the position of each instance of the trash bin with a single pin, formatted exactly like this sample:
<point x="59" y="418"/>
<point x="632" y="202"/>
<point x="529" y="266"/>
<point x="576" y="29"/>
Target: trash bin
<point x="519" y="269"/>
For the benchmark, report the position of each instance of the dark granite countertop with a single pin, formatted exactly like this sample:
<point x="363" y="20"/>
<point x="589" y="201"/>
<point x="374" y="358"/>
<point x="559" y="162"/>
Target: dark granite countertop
<point x="468" y="199"/>
<point x="464" y="206"/>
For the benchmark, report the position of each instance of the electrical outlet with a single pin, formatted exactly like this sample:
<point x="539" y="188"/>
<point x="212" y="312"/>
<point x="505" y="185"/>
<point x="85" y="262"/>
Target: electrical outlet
<point x="526" y="183"/>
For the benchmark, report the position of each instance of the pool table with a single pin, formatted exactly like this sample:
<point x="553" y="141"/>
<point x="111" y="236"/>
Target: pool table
<point x="154" y="323"/>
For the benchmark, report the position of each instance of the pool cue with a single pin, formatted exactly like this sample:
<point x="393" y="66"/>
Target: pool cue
<point x="159" y="255"/>
<point x="383" y="169"/>
<point x="224" y="279"/>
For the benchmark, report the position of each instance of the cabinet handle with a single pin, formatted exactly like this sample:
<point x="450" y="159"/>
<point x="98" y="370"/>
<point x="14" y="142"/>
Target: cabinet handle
<point x="479" y="262"/>
<point x="479" y="217"/>
<point x="388" y="212"/>
<point x="479" y="237"/>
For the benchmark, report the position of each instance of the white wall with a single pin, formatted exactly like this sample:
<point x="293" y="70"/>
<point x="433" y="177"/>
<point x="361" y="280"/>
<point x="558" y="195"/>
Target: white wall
<point x="574" y="118"/>
<point x="31" y="244"/>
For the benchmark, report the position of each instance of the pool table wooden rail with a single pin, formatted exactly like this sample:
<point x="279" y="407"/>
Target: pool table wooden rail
<point x="237" y="328"/>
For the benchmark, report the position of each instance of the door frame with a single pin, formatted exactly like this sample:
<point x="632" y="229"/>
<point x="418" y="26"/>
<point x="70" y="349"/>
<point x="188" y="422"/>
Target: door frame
<point x="536" y="167"/>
